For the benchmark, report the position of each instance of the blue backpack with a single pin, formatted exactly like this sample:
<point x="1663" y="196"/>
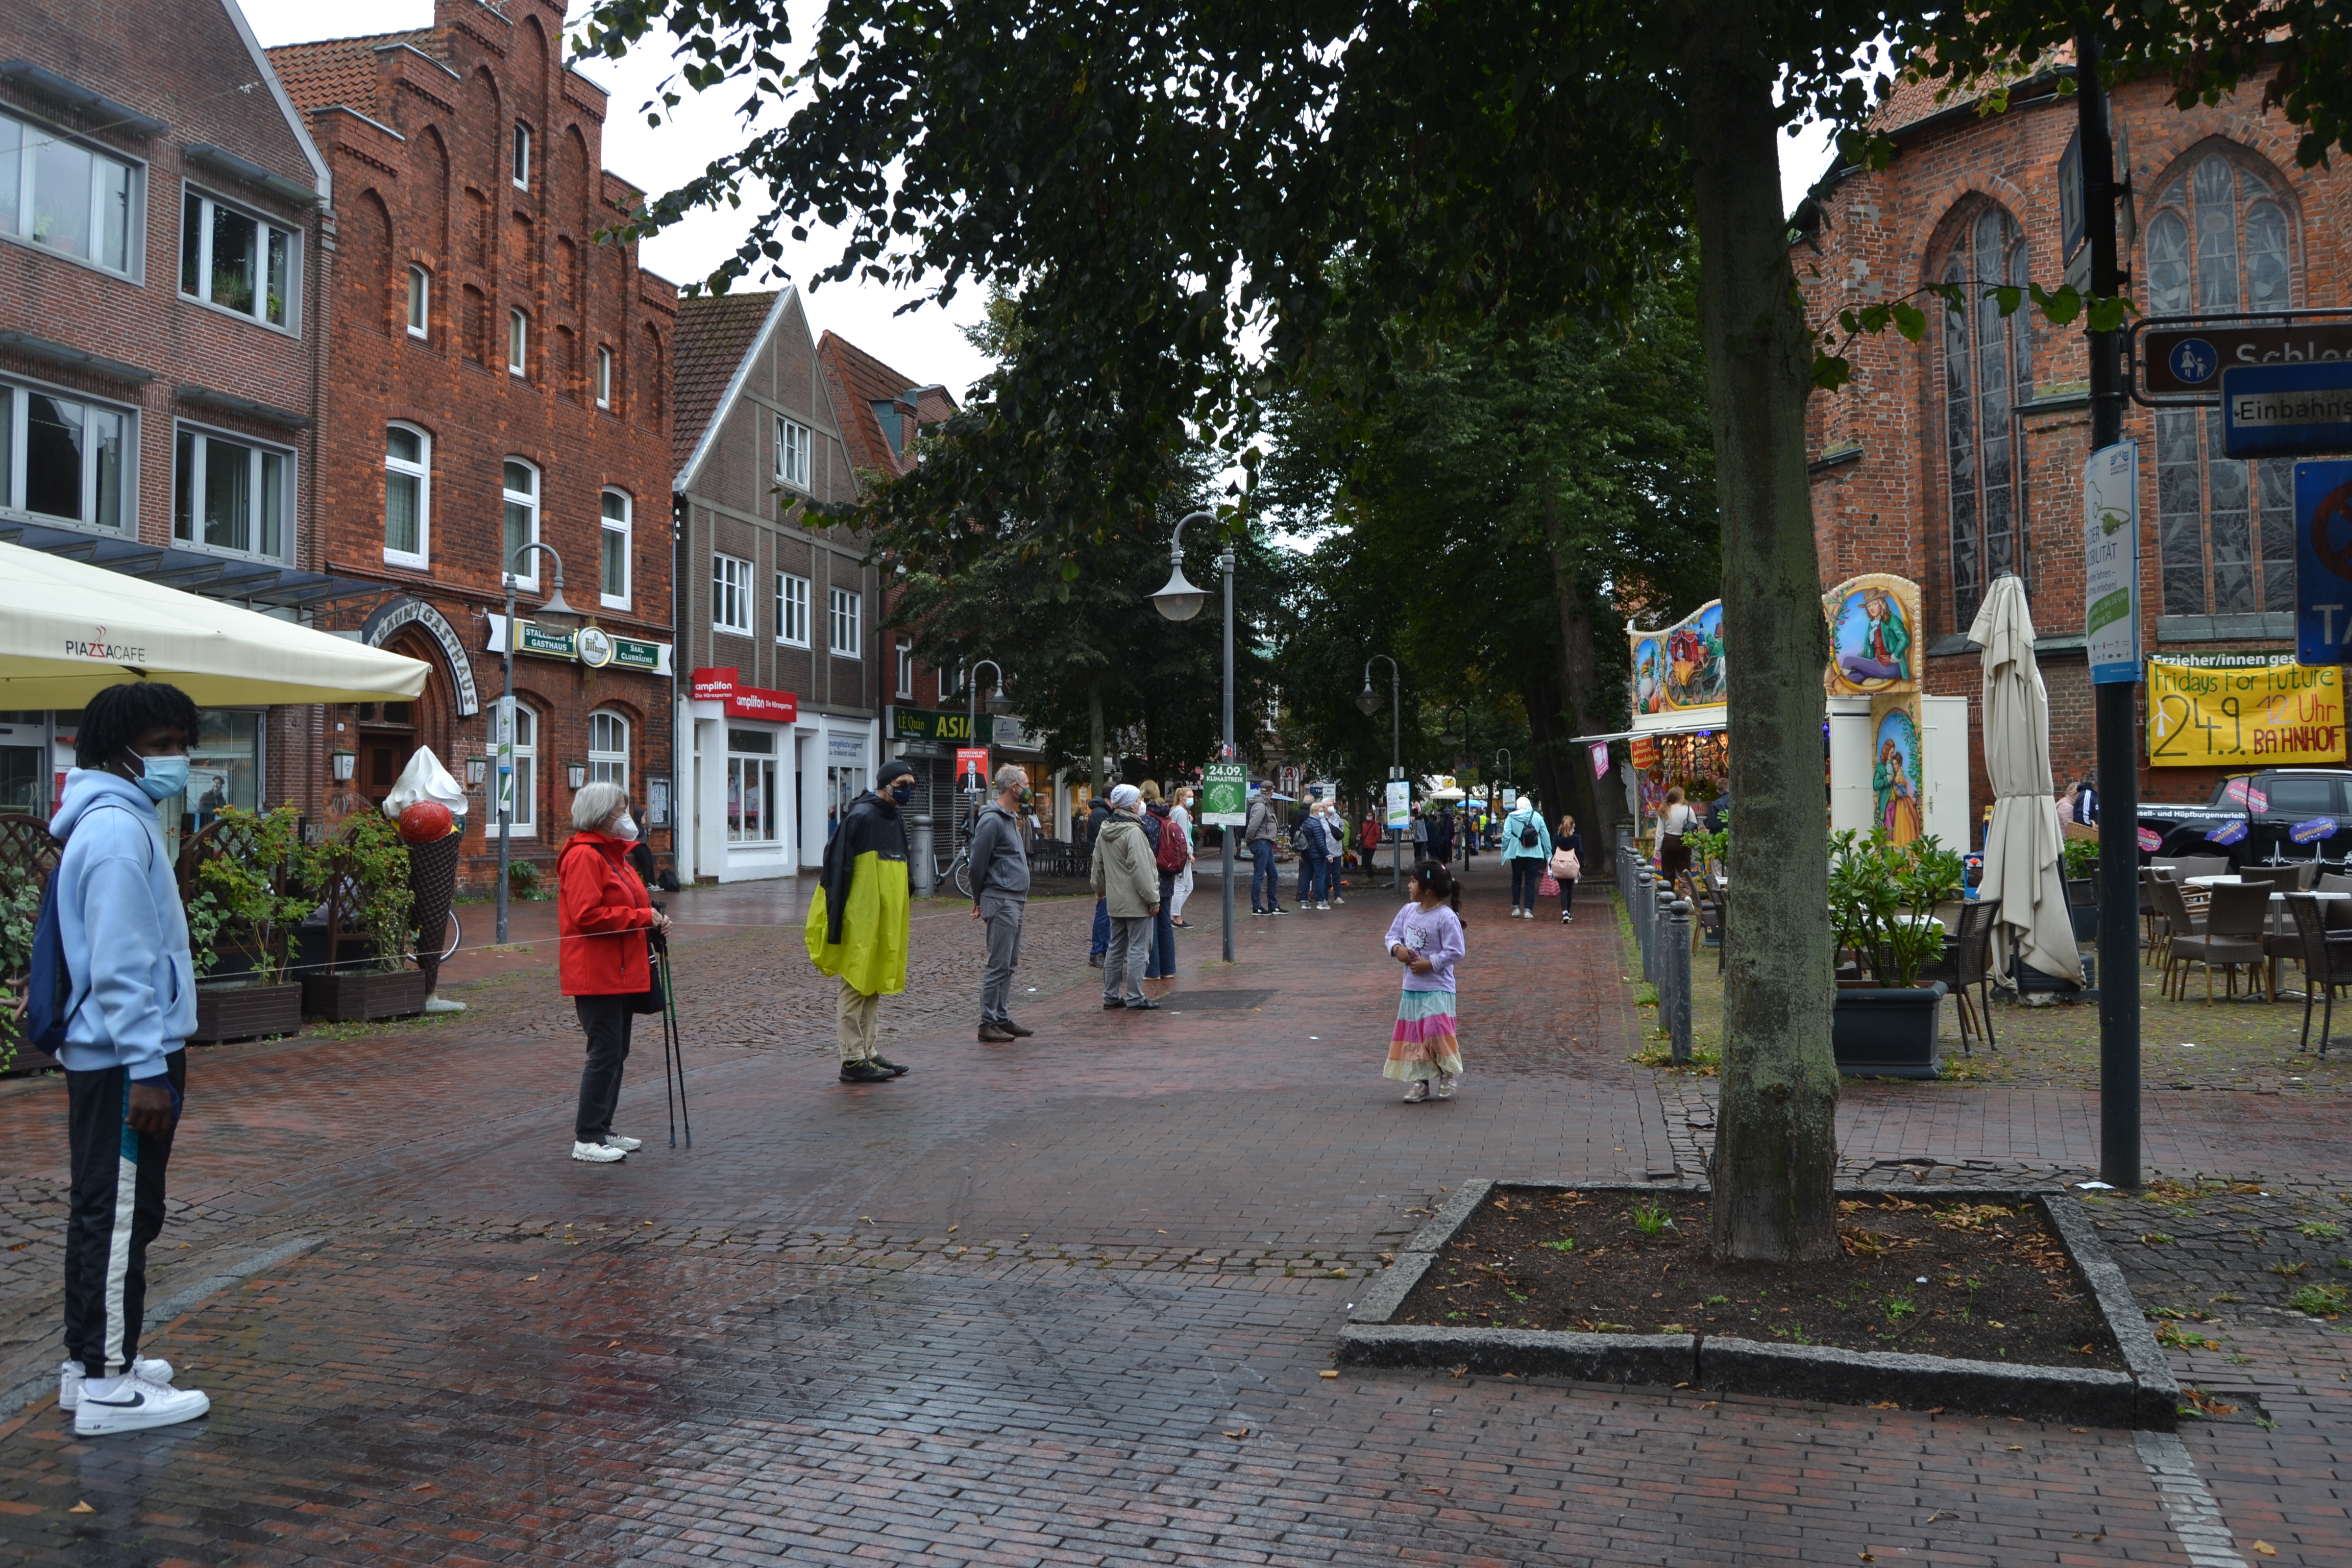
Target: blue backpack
<point x="48" y="983"/>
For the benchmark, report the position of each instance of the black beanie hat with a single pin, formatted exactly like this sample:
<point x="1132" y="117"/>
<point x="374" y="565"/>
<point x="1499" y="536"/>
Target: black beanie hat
<point x="896" y="768"/>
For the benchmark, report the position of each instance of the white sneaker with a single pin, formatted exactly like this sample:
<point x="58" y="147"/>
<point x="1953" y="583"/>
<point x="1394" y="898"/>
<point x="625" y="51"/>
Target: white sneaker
<point x="69" y="1377"/>
<point x="626" y="1145"/>
<point x="598" y="1153"/>
<point x="443" y="1005"/>
<point x="1418" y="1092"/>
<point x="1445" y="1085"/>
<point x="1322" y="906"/>
<point x="133" y="1404"/>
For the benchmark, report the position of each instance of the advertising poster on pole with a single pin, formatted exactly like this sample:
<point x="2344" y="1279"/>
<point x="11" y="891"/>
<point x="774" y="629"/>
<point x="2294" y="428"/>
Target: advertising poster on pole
<point x="1399" y="804"/>
<point x="2111" y="563"/>
<point x="971" y="766"/>
<point x="2242" y="711"/>
<point x="1224" y="795"/>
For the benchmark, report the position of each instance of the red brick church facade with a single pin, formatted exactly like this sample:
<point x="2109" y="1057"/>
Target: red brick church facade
<point x="1960" y="457"/>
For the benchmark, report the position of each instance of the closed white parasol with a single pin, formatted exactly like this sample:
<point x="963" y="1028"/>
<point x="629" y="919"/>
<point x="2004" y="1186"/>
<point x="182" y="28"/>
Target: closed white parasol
<point x="68" y="630"/>
<point x="2022" y="848"/>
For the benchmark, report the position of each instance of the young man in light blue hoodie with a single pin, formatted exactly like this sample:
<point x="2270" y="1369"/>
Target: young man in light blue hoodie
<point x="129" y="1013"/>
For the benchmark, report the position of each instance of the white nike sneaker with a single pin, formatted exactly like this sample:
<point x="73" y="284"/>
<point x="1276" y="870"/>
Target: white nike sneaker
<point x="626" y="1145"/>
<point x="438" y="1005"/>
<point x="133" y="1404"/>
<point x="69" y="1377"/>
<point x="598" y="1153"/>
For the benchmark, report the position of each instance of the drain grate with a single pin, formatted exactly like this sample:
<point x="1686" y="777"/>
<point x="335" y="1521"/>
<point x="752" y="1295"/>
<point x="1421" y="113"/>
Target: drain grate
<point x="1213" y="1001"/>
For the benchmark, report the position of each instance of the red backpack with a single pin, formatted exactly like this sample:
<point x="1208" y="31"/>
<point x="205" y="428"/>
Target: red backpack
<point x="1170" y="857"/>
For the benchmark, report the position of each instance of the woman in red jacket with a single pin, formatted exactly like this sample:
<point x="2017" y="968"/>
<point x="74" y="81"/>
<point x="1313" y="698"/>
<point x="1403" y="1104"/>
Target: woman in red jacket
<point x="603" y="913"/>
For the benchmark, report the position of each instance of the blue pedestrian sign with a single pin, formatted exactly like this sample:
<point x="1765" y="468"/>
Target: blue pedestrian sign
<point x="2322" y="562"/>
<point x="2193" y="362"/>
<point x="2286" y="410"/>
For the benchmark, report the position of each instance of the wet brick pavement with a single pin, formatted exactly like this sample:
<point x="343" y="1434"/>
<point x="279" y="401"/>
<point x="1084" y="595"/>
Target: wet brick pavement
<point x="1060" y="1302"/>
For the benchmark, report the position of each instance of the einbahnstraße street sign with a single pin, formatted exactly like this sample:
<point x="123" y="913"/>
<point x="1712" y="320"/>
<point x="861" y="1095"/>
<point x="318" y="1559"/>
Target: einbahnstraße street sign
<point x="2287" y="410"/>
<point x="2189" y="360"/>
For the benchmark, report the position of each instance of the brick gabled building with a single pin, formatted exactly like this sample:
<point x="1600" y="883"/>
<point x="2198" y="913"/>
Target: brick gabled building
<point x="164" y="258"/>
<point x="1957" y="458"/>
<point x="501" y="377"/>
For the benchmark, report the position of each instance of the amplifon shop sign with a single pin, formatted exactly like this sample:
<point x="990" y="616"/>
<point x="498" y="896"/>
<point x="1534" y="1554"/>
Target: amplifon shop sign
<point x="719" y="684"/>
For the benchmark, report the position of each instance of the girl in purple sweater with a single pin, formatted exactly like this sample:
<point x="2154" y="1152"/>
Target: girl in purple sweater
<point x="1426" y="938"/>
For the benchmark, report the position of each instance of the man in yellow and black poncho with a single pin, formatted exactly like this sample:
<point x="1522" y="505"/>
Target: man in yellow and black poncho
<point x="857" y="921"/>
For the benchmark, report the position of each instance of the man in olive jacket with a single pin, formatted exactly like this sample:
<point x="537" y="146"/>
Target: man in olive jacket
<point x="1127" y="877"/>
<point x="1000" y="895"/>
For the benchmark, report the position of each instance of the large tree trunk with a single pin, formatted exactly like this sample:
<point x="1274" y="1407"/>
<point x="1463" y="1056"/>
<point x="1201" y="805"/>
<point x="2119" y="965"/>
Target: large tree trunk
<point x="1776" y="1129"/>
<point x="1580" y="670"/>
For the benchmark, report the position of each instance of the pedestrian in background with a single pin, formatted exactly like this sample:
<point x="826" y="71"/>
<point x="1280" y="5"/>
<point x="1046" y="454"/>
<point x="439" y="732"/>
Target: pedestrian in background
<point x="1098" y="942"/>
<point x="1258" y="828"/>
<point x="1673" y="821"/>
<point x="1567" y="866"/>
<point x="130" y="1005"/>
<point x="860" y="917"/>
<point x="1128" y="882"/>
<point x="1426" y="938"/>
<point x="999" y="896"/>
<point x="1527" y="849"/>
<point x="603" y="913"/>
<point x="1181" y="815"/>
<point x="1314" y="843"/>
<point x="1161" y="833"/>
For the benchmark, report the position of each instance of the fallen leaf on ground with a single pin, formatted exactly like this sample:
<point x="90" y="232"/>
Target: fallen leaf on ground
<point x="2017" y="1447"/>
<point x="528" y="1277"/>
<point x="2265" y="1548"/>
<point x="614" y="1345"/>
<point x="1330" y="1374"/>
<point x="1242" y="1433"/>
<point x="1439" y="1490"/>
<point x="422" y="1487"/>
<point x="1886" y="1405"/>
<point x="1865" y="1556"/>
<point x="81" y="1508"/>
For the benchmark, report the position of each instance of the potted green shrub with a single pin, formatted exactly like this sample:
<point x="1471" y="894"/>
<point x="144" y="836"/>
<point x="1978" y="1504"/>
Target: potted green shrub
<point x="366" y="973"/>
<point x="1882" y="902"/>
<point x="20" y="905"/>
<point x="253" y="881"/>
<point x="2079" y="861"/>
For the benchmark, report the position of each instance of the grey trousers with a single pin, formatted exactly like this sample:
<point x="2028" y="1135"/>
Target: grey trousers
<point x="1002" y="912"/>
<point x="1131" y="947"/>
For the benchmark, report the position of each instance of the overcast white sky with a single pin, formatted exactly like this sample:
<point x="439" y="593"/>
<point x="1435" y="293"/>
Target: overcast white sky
<point x="925" y="345"/>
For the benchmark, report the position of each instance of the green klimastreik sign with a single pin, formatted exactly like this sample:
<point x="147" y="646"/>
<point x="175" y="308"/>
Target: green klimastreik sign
<point x="1224" y="795"/>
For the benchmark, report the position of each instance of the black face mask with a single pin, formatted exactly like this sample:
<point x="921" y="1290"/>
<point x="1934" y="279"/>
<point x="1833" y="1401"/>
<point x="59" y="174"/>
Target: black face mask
<point x="902" y="793"/>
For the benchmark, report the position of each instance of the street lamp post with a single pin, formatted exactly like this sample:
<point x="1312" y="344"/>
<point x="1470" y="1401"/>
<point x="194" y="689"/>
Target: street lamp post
<point x="996" y="704"/>
<point x="1463" y="709"/>
<point x="555" y="612"/>
<point x="1368" y="702"/>
<point x="1180" y="601"/>
<point x="1502" y="766"/>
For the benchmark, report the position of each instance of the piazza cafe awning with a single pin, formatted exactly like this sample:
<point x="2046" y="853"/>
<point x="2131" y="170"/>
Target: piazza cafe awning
<point x="68" y="630"/>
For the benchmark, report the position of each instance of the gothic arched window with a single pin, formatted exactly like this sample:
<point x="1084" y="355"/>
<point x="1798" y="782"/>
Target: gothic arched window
<point x="1988" y="371"/>
<point x="2220" y="240"/>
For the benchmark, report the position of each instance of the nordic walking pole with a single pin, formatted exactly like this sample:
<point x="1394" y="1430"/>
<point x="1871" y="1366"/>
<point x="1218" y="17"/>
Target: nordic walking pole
<point x="661" y="978"/>
<point x="675" y="1051"/>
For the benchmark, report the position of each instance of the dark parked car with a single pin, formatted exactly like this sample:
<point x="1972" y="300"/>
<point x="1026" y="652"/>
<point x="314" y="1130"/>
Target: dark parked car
<point x="2264" y="819"/>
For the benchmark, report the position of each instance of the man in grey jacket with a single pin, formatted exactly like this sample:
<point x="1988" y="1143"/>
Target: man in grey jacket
<point x="1128" y="880"/>
<point x="1000" y="895"/>
<point x="1258" y="829"/>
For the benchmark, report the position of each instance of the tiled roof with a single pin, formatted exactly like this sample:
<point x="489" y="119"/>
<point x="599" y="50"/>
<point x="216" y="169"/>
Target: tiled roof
<point x="333" y="71"/>
<point x="857" y="382"/>
<point x="714" y="333"/>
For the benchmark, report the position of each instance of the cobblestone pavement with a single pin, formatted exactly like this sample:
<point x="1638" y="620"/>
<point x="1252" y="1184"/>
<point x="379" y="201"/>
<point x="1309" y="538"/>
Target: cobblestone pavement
<point x="1068" y="1301"/>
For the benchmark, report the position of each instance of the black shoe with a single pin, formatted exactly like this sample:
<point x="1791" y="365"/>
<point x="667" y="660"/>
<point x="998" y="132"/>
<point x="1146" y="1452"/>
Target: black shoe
<point x="1017" y="1031"/>
<point x="1113" y="1006"/>
<point x="864" y="1072"/>
<point x="1278" y="910"/>
<point x="1094" y="960"/>
<point x="1143" y="1006"/>
<point x="887" y="1065"/>
<point x="994" y="1035"/>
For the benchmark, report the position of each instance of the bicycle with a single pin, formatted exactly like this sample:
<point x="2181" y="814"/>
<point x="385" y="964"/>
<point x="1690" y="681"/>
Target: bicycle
<point x="456" y="937"/>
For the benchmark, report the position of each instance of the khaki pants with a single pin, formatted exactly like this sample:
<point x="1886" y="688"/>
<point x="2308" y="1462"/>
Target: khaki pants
<point x="858" y="1022"/>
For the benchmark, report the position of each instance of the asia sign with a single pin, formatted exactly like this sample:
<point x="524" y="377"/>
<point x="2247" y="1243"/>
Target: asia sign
<point x="2223" y="709"/>
<point x="930" y="725"/>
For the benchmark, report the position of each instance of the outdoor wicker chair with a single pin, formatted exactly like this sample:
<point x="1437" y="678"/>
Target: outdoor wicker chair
<point x="1972" y="965"/>
<point x="2326" y="964"/>
<point x="2232" y="935"/>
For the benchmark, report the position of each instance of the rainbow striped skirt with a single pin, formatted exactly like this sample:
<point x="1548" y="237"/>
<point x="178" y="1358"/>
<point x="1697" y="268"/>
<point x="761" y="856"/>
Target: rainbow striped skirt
<point x="1422" y="1043"/>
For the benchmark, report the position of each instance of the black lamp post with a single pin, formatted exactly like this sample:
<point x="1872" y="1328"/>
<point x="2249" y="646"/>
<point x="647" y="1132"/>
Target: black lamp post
<point x="554" y="613"/>
<point x="1180" y="601"/>
<point x="1368" y="702"/>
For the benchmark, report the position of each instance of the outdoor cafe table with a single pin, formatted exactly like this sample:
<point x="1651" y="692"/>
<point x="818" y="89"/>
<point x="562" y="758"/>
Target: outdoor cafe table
<point x="2278" y="910"/>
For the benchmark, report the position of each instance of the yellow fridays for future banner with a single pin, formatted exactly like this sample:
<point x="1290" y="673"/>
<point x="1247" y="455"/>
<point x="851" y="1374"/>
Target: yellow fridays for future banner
<point x="2242" y="709"/>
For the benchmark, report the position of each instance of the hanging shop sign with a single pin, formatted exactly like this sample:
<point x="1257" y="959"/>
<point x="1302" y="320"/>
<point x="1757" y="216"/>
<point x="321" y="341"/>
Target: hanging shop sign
<point x="930" y="725"/>
<point x="591" y="644"/>
<point x="1875" y="634"/>
<point x="716" y="683"/>
<point x="2233" y="710"/>
<point x="1680" y="669"/>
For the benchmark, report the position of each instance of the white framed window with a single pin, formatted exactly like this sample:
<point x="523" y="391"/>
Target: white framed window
<point x="603" y="376"/>
<point x="751" y="786"/>
<point x="520" y="521"/>
<point x="848" y="611"/>
<point x="420" y="302"/>
<point x="612" y="539"/>
<point x="231" y="494"/>
<point x="791" y="453"/>
<point x="905" y="671"/>
<point x="608" y="748"/>
<point x="237" y="262"/>
<point x="524" y="800"/>
<point x="407" y="496"/>
<point x="518" y="343"/>
<point x="521" y="156"/>
<point x="68" y="198"/>
<point x="63" y="458"/>
<point x="952" y="682"/>
<point x="731" y="595"/>
<point x="791" y="610"/>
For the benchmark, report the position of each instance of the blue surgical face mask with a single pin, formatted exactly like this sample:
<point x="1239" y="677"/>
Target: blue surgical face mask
<point x="164" y="778"/>
<point x="902" y="793"/>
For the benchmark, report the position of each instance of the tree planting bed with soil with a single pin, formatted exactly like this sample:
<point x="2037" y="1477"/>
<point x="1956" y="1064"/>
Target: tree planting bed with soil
<point x="1997" y="1284"/>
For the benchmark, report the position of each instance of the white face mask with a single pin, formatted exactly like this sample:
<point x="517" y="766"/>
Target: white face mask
<point x="625" y="827"/>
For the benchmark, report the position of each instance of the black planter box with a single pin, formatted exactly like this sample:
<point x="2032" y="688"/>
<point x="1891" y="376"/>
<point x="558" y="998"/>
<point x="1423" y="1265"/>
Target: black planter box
<point x="1887" y="1031"/>
<point x="359" y="998"/>
<point x="246" y="1012"/>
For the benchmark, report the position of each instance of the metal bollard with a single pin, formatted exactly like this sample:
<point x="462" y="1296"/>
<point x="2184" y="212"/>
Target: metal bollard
<point x="1644" y="912"/>
<point x="1676" y="993"/>
<point x="1659" y="935"/>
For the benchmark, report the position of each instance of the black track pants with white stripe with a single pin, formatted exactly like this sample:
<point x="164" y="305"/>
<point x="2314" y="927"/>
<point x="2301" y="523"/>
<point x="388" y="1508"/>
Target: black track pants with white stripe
<point x="118" y="1209"/>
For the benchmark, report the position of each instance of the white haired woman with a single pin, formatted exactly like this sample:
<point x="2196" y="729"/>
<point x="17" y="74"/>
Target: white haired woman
<point x="603" y="916"/>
